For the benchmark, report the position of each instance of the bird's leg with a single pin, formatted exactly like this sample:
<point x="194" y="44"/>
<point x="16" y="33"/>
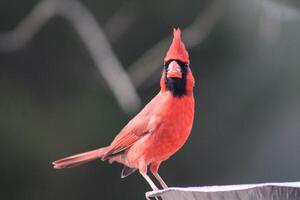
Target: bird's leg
<point x="153" y="186"/>
<point x="160" y="180"/>
<point x="143" y="172"/>
<point x="154" y="169"/>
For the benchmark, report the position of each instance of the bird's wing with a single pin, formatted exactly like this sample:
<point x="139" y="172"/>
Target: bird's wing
<point x="133" y="131"/>
<point x="127" y="137"/>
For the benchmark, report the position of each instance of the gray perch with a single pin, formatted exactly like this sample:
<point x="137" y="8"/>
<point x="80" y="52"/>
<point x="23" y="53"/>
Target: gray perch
<point x="264" y="191"/>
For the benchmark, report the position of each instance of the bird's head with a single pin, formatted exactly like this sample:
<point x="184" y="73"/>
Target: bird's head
<point x="177" y="76"/>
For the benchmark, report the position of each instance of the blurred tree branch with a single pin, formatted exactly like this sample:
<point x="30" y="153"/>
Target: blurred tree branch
<point x="193" y="35"/>
<point x="23" y="33"/>
<point x="295" y="4"/>
<point x="99" y="47"/>
<point x="92" y="36"/>
<point x="121" y="21"/>
<point x="274" y="13"/>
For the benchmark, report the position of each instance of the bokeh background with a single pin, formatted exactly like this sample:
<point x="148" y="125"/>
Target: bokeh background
<point x="56" y="99"/>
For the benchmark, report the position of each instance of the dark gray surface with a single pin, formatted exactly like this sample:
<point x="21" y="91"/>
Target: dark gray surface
<point x="265" y="191"/>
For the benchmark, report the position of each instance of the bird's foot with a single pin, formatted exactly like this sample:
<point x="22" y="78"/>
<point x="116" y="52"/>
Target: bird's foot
<point x="147" y="195"/>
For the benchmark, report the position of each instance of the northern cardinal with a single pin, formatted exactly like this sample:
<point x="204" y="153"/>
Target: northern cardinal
<point x="159" y="129"/>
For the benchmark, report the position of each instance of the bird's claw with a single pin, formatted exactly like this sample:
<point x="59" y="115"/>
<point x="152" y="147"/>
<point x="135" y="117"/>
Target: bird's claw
<point x="147" y="195"/>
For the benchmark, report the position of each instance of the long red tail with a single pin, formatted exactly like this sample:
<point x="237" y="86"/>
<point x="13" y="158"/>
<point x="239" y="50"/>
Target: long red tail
<point x="78" y="159"/>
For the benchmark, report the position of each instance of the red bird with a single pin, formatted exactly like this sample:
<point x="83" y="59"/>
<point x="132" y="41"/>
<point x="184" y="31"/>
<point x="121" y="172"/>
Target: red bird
<point x="159" y="129"/>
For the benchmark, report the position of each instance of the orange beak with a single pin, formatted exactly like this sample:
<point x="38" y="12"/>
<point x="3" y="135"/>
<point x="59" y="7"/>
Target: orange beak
<point x="174" y="70"/>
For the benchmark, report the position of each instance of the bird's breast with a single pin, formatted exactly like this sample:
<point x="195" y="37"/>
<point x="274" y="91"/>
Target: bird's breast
<point x="171" y="126"/>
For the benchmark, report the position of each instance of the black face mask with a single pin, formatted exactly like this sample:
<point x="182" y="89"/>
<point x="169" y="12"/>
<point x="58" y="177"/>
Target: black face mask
<point x="177" y="86"/>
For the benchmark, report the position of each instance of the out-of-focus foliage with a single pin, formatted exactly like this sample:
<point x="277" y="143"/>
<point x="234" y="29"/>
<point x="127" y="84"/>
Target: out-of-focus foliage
<point x="54" y="103"/>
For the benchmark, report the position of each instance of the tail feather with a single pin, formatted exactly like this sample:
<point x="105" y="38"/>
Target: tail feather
<point x="79" y="159"/>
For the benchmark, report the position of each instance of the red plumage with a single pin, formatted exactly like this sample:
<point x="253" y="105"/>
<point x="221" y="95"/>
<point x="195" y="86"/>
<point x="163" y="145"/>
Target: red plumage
<point x="159" y="129"/>
<point x="177" y="49"/>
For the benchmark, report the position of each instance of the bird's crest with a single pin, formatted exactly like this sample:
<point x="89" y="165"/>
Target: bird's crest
<point x="177" y="49"/>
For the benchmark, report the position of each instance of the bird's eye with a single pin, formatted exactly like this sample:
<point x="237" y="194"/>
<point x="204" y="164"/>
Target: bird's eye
<point x="166" y="64"/>
<point x="183" y="64"/>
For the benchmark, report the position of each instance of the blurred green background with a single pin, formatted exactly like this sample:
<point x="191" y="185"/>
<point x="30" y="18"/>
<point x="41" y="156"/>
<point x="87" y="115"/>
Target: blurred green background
<point x="54" y="102"/>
